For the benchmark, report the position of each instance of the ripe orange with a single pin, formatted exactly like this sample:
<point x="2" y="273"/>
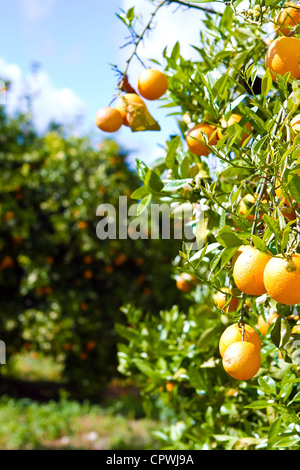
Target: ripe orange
<point x="262" y="325"/>
<point x="221" y="298"/>
<point x="124" y="104"/>
<point x="7" y="263"/>
<point x="108" y="269"/>
<point x="248" y="271"/>
<point x="234" y="118"/>
<point x="88" y="274"/>
<point x="283" y="56"/>
<point x="121" y="258"/>
<point x="88" y="259"/>
<point x="9" y="215"/>
<point x="242" y="360"/>
<point x="82" y="225"/>
<point x="152" y="84"/>
<point x="185" y="282"/>
<point x="109" y="119"/>
<point x="241" y="249"/>
<point x="234" y="334"/>
<point x="170" y="387"/>
<point x="295" y="123"/>
<point x="288" y="18"/>
<point x="195" y="138"/>
<point x="91" y="345"/>
<point x="272" y="316"/>
<point x="282" y="279"/>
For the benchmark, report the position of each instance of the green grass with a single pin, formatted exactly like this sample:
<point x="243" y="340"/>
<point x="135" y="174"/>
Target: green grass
<point x="25" y="424"/>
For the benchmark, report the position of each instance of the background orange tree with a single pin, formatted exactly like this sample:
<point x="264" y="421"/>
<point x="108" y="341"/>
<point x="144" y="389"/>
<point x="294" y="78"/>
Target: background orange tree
<point x="249" y="190"/>
<point x="61" y="286"/>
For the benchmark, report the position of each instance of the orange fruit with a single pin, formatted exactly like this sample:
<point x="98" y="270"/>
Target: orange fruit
<point x="170" y="387"/>
<point x="185" y="282"/>
<point x="241" y="249"/>
<point x="282" y="279"/>
<point x="9" y="215"/>
<point x="272" y="317"/>
<point x="108" y="269"/>
<point x="88" y="259"/>
<point x="283" y="56"/>
<point x="82" y="225"/>
<point x="248" y="271"/>
<point x="91" y="345"/>
<point x="295" y="123"/>
<point x="139" y="261"/>
<point x="7" y="262"/>
<point x="120" y="259"/>
<point x="288" y="18"/>
<point x="109" y="119"/>
<point x="195" y="138"/>
<point x="124" y="105"/>
<point x="221" y="298"/>
<point x="152" y="84"/>
<point x="88" y="274"/>
<point x="234" y="118"/>
<point x="234" y="334"/>
<point x="147" y="291"/>
<point x="242" y="360"/>
<point x="262" y="325"/>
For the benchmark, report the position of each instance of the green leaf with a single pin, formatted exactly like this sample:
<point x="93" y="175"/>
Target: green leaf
<point x="177" y="184"/>
<point x="227" y="19"/>
<point x="259" y="244"/>
<point x="288" y="441"/>
<point x="145" y="202"/>
<point x="267" y="385"/>
<point x="259" y="404"/>
<point x="266" y="83"/>
<point x="273" y="225"/>
<point x="170" y="159"/>
<point x="294" y="187"/>
<point x="153" y="182"/>
<point x="142" y="169"/>
<point x="227" y="238"/>
<point x="281" y="332"/>
<point x="140" y="193"/>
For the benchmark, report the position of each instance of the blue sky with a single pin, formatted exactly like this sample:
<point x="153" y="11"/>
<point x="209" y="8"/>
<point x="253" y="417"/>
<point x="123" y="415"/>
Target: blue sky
<point x="75" y="42"/>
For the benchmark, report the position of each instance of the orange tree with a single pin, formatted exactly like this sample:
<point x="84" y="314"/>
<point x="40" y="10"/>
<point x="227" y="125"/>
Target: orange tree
<point x="61" y="286"/>
<point x="236" y="162"/>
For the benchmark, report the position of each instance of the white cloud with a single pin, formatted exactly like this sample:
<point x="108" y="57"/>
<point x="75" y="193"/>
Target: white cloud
<point x="36" y="9"/>
<point x="49" y="102"/>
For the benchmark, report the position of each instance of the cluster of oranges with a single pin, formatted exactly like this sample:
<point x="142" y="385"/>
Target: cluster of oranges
<point x="240" y="347"/>
<point x="282" y="57"/>
<point x="255" y="273"/>
<point x="152" y="85"/>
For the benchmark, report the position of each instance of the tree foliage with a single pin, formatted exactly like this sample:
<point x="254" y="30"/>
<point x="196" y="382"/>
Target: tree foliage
<point x="175" y="355"/>
<point x="61" y="286"/>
